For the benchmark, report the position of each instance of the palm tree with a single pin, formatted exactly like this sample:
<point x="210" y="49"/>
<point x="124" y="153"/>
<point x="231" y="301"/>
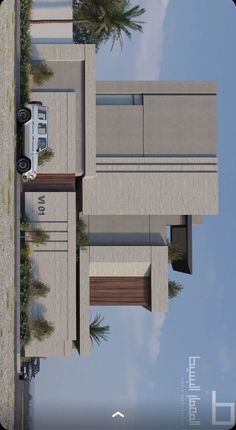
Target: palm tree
<point x="104" y="18"/>
<point x="97" y="332"/>
<point x="174" y="289"/>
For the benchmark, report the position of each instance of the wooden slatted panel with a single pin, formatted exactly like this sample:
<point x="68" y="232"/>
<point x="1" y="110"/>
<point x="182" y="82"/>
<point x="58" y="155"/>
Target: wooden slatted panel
<point x="51" y="182"/>
<point x="122" y="290"/>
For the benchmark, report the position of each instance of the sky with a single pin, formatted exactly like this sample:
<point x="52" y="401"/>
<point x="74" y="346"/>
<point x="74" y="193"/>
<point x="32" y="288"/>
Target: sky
<point x="141" y="370"/>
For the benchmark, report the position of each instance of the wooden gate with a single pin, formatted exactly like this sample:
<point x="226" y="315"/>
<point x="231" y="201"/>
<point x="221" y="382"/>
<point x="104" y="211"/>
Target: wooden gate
<point x="120" y="290"/>
<point x="51" y="182"/>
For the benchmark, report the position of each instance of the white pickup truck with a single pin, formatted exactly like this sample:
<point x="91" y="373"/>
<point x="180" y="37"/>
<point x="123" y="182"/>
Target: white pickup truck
<point x="33" y="118"/>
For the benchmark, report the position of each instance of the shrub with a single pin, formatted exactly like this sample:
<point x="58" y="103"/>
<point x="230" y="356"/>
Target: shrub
<point x="81" y="226"/>
<point x="25" y="45"/>
<point x="45" y="156"/>
<point x="25" y="335"/>
<point x="25" y="268"/>
<point x="174" y="289"/>
<point x="25" y="275"/>
<point x="24" y="296"/>
<point x="25" y="252"/>
<point x="38" y="289"/>
<point x="82" y="239"/>
<point x="41" y="328"/>
<point x="25" y="222"/>
<point x="174" y="252"/>
<point x="39" y="236"/>
<point x="41" y="72"/>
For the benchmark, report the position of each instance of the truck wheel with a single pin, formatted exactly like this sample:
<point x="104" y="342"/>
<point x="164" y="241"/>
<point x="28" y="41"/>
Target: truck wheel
<point x="23" y="115"/>
<point x="23" y="165"/>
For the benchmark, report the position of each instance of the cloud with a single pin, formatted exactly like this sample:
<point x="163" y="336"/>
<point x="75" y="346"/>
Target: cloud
<point x="138" y="378"/>
<point x="154" y="336"/>
<point x="133" y="377"/>
<point x="135" y="322"/>
<point x="144" y="330"/>
<point x="149" y="58"/>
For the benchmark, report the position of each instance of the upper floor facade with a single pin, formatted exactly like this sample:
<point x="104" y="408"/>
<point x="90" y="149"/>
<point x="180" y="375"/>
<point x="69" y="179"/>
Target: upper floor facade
<point x="141" y="148"/>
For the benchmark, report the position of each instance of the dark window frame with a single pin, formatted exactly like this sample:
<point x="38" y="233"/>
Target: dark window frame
<point x="119" y="99"/>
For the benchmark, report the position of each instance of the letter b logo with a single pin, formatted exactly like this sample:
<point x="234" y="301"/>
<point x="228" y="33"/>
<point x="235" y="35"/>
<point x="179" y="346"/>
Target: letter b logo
<point x="215" y="405"/>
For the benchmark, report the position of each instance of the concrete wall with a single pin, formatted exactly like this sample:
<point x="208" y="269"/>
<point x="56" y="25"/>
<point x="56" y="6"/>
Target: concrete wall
<point x="126" y="230"/>
<point x="54" y="264"/>
<point x="74" y="73"/>
<point x="134" y="261"/>
<point x="159" y="279"/>
<point x="119" y="260"/>
<point x="179" y="125"/>
<point x="156" y="87"/>
<point x="152" y="186"/>
<point x="65" y="76"/>
<point x="52" y="32"/>
<point x="175" y="119"/>
<point x="170" y="166"/>
<point x="119" y="130"/>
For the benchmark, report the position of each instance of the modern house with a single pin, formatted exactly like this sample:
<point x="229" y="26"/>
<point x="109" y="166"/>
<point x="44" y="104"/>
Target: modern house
<point x="131" y="158"/>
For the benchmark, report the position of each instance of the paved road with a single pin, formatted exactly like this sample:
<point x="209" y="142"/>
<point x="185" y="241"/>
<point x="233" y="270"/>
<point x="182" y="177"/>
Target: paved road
<point x="11" y="388"/>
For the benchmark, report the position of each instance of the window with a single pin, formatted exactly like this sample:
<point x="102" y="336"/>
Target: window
<point x="42" y="114"/>
<point x="41" y="128"/>
<point x="119" y="99"/>
<point x="41" y="143"/>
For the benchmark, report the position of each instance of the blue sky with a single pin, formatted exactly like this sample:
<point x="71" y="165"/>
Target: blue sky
<point x="142" y="365"/>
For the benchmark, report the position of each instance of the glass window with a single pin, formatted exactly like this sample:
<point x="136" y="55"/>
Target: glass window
<point x="41" y="128"/>
<point x="42" y="114"/>
<point x="41" y="143"/>
<point x="119" y="99"/>
<point x="138" y="99"/>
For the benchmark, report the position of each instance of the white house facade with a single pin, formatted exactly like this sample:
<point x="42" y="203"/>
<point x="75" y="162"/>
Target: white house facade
<point x="131" y="158"/>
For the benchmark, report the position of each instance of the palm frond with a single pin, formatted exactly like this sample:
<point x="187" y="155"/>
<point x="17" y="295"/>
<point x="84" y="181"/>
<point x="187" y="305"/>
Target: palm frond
<point x="109" y="18"/>
<point x="98" y="333"/>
